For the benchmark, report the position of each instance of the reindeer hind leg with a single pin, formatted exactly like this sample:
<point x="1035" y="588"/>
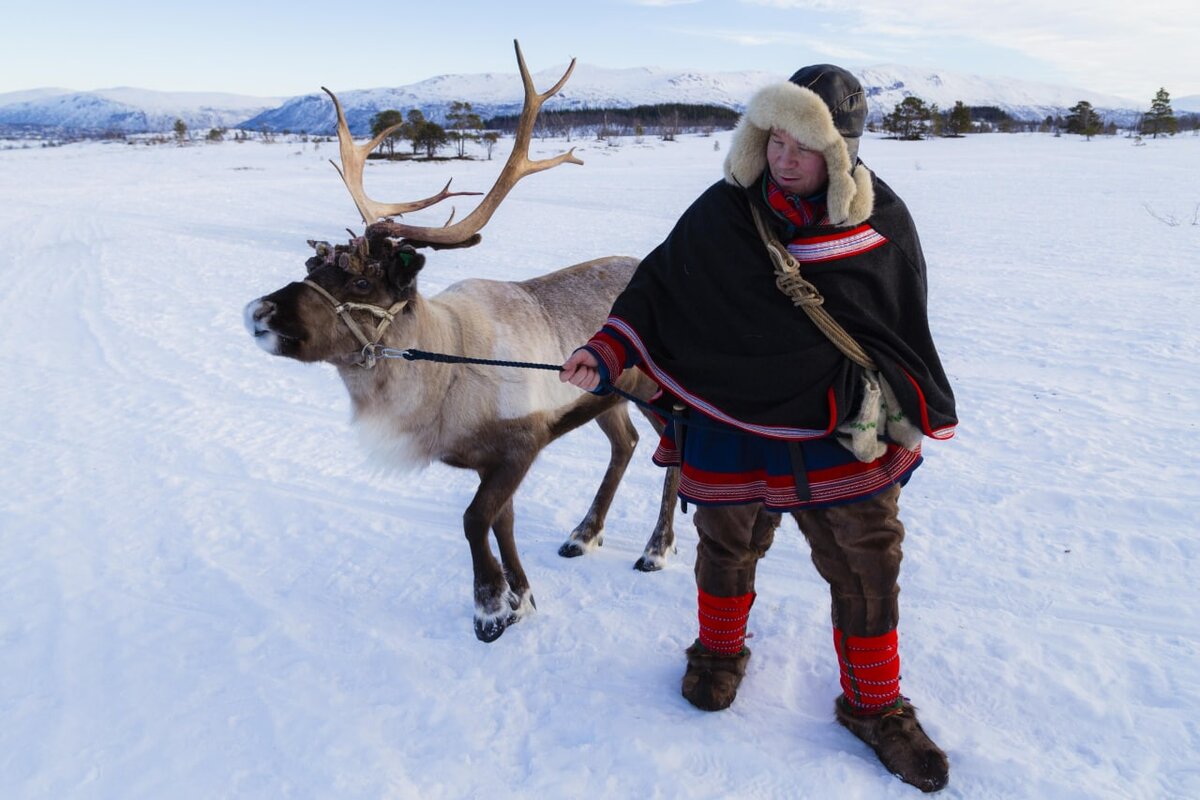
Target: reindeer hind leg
<point x="662" y="539"/>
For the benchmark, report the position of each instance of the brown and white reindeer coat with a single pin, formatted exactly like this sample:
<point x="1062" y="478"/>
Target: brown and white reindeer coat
<point x="362" y="296"/>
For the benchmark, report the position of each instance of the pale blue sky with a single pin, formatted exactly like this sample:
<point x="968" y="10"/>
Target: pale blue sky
<point x="274" y="48"/>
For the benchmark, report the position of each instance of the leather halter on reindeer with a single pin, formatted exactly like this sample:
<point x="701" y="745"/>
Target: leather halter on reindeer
<point x="386" y="316"/>
<point x="364" y="294"/>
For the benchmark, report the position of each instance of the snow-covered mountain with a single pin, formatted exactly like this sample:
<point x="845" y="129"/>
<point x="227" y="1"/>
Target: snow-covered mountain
<point x="491" y="94"/>
<point x="27" y="95"/>
<point x="888" y="85"/>
<point x="135" y="110"/>
<point x="596" y="87"/>
<point x="124" y="110"/>
<point x="1189" y="103"/>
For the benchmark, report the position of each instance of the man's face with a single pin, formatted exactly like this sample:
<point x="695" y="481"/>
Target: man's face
<point x="794" y="167"/>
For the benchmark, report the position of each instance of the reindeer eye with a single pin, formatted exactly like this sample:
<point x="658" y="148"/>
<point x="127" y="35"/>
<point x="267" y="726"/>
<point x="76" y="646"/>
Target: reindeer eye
<point x="362" y="285"/>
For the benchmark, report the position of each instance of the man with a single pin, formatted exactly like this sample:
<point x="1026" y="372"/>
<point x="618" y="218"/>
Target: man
<point x="781" y="418"/>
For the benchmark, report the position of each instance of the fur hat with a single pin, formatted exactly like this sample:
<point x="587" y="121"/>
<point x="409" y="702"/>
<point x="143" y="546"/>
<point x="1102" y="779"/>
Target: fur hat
<point x="824" y="108"/>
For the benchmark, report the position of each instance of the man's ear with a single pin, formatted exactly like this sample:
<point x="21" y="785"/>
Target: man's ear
<point x="402" y="267"/>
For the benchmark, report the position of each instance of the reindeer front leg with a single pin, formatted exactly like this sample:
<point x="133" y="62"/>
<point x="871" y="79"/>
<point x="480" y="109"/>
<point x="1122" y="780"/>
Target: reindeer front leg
<point x="497" y="605"/>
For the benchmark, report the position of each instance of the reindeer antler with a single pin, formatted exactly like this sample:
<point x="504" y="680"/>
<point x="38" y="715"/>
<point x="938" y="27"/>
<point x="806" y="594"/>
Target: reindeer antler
<point x="355" y="156"/>
<point x="463" y="232"/>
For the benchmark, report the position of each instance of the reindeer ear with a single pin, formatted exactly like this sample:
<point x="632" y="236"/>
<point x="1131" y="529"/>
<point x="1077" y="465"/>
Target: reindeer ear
<point x="402" y="267"/>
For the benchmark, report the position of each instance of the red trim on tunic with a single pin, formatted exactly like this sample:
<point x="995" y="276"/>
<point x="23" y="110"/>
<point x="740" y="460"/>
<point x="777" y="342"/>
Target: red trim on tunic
<point x="828" y="486"/>
<point x="610" y="351"/>
<point x="944" y="433"/>
<point x="833" y="410"/>
<point x="834" y="246"/>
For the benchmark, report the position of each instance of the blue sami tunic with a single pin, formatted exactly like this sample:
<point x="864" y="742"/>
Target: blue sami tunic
<point x="723" y="465"/>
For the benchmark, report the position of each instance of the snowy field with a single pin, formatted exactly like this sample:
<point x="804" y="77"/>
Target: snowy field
<point x="207" y="593"/>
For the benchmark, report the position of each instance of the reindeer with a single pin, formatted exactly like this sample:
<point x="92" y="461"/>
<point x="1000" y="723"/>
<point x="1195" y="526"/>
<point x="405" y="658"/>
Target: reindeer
<point x="362" y="296"/>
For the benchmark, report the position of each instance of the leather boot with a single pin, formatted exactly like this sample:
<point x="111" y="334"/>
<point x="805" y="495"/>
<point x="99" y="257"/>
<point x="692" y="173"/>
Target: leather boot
<point x="901" y="744"/>
<point x="712" y="679"/>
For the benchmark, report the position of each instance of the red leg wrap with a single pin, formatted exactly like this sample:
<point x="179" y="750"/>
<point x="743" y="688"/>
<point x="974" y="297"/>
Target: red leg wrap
<point x="723" y="621"/>
<point x="870" y="670"/>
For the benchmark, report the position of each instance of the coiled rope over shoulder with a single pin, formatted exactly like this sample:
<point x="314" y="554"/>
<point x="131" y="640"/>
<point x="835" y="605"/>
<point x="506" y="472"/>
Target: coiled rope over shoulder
<point x="805" y="295"/>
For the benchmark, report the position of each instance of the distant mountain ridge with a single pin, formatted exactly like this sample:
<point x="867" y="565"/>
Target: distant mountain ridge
<point x="492" y="94"/>
<point x="124" y="110"/>
<point x="127" y="110"/>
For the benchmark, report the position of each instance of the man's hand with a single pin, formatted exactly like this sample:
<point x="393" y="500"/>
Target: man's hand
<point x="582" y="370"/>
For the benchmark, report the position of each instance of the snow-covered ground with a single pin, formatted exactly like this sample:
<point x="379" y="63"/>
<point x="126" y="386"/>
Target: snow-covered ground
<point x="206" y="592"/>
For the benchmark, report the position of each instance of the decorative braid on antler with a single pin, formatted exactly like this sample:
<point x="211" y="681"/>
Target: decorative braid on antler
<point x="356" y="257"/>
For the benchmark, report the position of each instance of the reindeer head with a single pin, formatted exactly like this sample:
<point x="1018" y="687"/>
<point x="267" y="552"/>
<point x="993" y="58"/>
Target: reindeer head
<point x="374" y="275"/>
<point x="353" y="292"/>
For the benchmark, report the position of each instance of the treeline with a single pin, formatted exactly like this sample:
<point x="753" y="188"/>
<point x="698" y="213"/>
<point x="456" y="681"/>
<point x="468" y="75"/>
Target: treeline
<point x="910" y="119"/>
<point x="664" y="120"/>
<point x="913" y="119"/>
<point x="463" y="125"/>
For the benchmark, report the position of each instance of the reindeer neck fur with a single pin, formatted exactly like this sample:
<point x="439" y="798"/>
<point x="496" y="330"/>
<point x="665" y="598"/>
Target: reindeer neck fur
<point x="411" y="413"/>
<point x="395" y="408"/>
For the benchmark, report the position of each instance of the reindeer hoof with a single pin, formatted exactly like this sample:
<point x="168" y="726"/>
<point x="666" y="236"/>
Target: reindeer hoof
<point x="513" y="608"/>
<point x="650" y="564"/>
<point x="573" y="548"/>
<point x="489" y="630"/>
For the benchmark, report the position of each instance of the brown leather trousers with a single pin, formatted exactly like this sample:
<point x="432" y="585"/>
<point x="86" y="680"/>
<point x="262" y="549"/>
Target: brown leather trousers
<point x="855" y="547"/>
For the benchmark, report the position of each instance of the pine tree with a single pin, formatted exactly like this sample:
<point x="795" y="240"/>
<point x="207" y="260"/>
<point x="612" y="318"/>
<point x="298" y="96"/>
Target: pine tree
<point x="1160" y="119"/>
<point x="464" y="124"/>
<point x="960" y="119"/>
<point x="1083" y="120"/>
<point x="430" y="136"/>
<point x="909" y="119"/>
<point x="489" y="140"/>
<point x="936" y="120"/>
<point x="411" y="130"/>
<point x="381" y="122"/>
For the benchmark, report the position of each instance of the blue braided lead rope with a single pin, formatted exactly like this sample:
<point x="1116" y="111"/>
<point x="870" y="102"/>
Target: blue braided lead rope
<point x="694" y="421"/>
<point x="444" y="358"/>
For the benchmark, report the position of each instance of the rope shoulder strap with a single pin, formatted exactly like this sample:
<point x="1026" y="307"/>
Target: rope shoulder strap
<point x="805" y="295"/>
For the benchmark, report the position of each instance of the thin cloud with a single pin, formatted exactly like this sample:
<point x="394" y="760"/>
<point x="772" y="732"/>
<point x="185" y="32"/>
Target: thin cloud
<point x="825" y="46"/>
<point x="1088" y="41"/>
<point x="813" y="5"/>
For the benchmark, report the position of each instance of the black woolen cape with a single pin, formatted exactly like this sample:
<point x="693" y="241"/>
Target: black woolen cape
<point x="705" y="306"/>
